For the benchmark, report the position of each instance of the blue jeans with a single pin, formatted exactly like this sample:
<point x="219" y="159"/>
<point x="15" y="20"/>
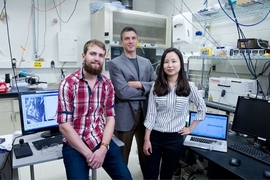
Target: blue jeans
<point x="77" y="168"/>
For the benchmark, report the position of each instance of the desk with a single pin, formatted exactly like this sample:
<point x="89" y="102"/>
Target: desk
<point x="37" y="157"/>
<point x="219" y="167"/>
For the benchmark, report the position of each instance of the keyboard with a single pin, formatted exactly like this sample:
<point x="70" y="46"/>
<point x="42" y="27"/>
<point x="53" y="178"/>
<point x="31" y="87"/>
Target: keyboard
<point x="47" y="142"/>
<point x="251" y="152"/>
<point x="202" y="140"/>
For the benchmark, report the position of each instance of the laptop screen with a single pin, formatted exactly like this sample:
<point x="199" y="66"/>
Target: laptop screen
<point x="213" y="126"/>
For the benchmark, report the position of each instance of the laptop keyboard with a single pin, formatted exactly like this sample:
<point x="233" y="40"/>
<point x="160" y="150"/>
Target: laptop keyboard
<point x="206" y="141"/>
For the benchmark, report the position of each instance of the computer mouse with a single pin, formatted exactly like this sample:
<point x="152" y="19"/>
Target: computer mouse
<point x="235" y="162"/>
<point x="266" y="174"/>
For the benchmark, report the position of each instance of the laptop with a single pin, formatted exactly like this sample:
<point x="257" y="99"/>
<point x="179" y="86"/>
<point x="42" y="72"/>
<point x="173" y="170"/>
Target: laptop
<point x="211" y="133"/>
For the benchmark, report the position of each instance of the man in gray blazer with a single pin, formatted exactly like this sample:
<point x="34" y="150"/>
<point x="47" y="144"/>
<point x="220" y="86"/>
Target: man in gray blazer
<point x="132" y="77"/>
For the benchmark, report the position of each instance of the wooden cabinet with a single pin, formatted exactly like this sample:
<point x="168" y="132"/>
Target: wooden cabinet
<point x="9" y="116"/>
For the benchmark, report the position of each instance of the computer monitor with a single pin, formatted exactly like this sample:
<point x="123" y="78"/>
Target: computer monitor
<point x="252" y="117"/>
<point x="38" y="112"/>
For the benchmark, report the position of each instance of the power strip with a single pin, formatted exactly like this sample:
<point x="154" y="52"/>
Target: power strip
<point x="253" y="52"/>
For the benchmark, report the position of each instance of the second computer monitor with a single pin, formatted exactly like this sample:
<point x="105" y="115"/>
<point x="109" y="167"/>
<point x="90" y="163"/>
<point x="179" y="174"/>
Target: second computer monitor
<point x="252" y="117"/>
<point x="38" y="112"/>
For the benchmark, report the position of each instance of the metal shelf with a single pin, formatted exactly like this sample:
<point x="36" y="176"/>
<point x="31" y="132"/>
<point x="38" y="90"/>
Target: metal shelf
<point x="229" y="57"/>
<point x="216" y="15"/>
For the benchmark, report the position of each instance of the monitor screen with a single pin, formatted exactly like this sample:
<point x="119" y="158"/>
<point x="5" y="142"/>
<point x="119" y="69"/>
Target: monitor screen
<point x="38" y="112"/>
<point x="252" y="117"/>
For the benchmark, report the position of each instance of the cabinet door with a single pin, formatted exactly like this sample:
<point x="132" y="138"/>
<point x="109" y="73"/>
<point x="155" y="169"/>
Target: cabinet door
<point x="17" y="122"/>
<point x="6" y="123"/>
<point x="17" y="117"/>
<point x="5" y="105"/>
<point x="6" y="117"/>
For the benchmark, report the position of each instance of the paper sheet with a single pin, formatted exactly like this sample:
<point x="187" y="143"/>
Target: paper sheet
<point x="7" y="145"/>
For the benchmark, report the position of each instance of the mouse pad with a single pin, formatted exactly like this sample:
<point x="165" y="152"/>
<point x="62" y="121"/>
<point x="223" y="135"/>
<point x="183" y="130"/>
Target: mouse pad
<point x="22" y="151"/>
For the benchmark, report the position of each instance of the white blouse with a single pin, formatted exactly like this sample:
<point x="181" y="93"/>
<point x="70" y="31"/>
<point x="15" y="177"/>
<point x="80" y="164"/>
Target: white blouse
<point x="168" y="113"/>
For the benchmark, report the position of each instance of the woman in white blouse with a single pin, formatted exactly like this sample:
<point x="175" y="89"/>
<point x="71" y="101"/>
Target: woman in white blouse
<point x="168" y="108"/>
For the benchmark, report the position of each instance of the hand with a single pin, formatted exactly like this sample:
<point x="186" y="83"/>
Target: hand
<point x="147" y="148"/>
<point x="135" y="84"/>
<point x="185" y="130"/>
<point x="97" y="158"/>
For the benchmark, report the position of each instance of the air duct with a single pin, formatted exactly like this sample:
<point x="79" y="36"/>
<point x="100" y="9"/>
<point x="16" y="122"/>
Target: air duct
<point x="127" y="3"/>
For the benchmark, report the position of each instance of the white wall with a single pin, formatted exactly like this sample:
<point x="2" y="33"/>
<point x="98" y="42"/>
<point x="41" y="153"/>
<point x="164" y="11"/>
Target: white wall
<point x="21" y="34"/>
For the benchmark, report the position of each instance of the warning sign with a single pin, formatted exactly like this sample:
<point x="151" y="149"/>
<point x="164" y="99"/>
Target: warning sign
<point x="37" y="64"/>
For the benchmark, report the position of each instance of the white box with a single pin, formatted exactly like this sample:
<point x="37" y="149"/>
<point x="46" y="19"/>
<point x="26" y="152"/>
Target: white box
<point x="67" y="47"/>
<point x="182" y="28"/>
<point x="226" y="90"/>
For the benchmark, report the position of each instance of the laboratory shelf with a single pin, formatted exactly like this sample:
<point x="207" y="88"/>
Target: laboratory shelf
<point x="258" y="8"/>
<point x="229" y="57"/>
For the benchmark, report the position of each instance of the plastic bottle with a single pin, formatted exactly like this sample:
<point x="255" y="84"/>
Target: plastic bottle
<point x="197" y="43"/>
<point x="206" y="46"/>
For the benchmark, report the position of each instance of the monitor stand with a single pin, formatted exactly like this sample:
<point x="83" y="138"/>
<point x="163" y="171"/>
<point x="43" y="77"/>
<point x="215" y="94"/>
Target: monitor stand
<point x="50" y="133"/>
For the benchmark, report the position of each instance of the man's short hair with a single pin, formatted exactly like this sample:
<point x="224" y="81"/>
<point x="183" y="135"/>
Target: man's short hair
<point x="93" y="42"/>
<point x="127" y="29"/>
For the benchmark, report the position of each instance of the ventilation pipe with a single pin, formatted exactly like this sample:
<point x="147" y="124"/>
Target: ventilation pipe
<point x="127" y="3"/>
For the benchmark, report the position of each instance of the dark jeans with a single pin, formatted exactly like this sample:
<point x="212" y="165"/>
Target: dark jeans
<point x="77" y="168"/>
<point x="166" y="150"/>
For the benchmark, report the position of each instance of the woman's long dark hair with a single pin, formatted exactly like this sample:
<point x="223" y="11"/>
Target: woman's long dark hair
<point x="161" y="87"/>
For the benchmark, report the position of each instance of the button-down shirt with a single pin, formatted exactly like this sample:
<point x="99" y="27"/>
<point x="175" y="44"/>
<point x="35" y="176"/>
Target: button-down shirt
<point x="168" y="113"/>
<point x="84" y="107"/>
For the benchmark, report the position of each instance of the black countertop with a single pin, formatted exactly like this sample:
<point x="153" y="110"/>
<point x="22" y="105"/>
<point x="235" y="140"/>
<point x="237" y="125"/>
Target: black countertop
<point x="14" y="93"/>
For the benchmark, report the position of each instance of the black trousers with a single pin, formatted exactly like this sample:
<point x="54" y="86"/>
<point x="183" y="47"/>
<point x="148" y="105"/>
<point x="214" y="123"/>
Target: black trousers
<point x="166" y="151"/>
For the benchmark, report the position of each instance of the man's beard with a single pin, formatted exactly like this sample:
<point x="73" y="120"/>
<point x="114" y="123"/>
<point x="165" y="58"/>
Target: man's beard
<point x="91" y="70"/>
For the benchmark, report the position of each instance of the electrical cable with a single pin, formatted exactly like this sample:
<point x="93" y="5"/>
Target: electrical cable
<point x="50" y="8"/>
<point x="25" y="45"/>
<point x="263" y="42"/>
<point x="248" y="61"/>
<point x="70" y="14"/>
<point x="9" y="155"/>
<point x="45" y="30"/>
<point x="9" y="46"/>
<point x="246" y="25"/>
<point x="34" y="27"/>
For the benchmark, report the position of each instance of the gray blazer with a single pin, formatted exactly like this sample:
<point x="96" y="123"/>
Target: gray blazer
<point x="127" y="98"/>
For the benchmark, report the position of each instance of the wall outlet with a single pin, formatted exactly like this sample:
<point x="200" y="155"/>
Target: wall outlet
<point x="52" y="64"/>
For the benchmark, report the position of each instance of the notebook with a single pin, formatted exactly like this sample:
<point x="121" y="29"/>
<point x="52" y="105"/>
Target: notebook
<point x="211" y="133"/>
